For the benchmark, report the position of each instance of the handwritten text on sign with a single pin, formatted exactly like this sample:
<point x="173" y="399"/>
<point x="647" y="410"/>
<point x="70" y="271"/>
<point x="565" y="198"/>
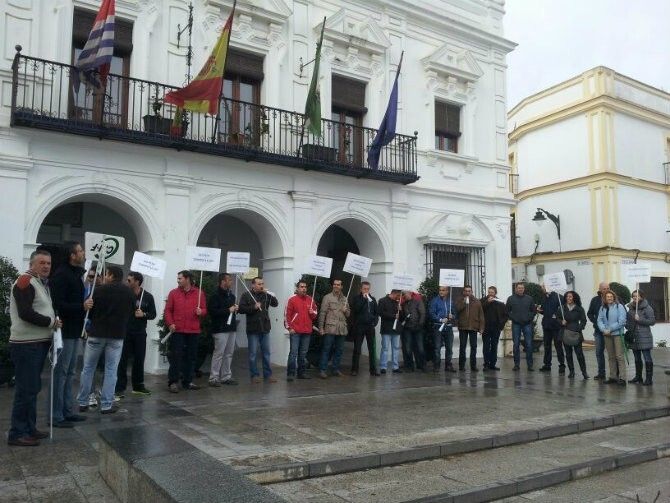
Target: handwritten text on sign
<point x="203" y="259"/>
<point x="148" y="265"/>
<point x="555" y="282"/>
<point x="113" y="246"/>
<point x="319" y="266"/>
<point x="237" y="262"/>
<point x="638" y="273"/>
<point x="452" y="277"/>
<point x="355" y="264"/>
<point x="404" y="282"/>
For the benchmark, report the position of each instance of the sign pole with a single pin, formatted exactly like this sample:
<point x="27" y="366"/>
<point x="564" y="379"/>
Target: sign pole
<point x="247" y="288"/>
<point x="311" y="305"/>
<point x="560" y="304"/>
<point x="199" y="289"/>
<point x="637" y="287"/>
<point x="449" y="301"/>
<point x="141" y="298"/>
<point x="351" y="284"/>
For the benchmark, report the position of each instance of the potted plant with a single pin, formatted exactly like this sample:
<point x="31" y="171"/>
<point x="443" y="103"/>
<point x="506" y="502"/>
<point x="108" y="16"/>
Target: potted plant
<point x="156" y="123"/>
<point x="8" y="274"/>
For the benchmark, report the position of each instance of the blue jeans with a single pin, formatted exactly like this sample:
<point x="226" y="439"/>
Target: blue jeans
<point x="262" y="340"/>
<point x="28" y="360"/>
<point x="516" y="339"/>
<point x="446" y="336"/>
<point x="394" y="341"/>
<point x="95" y="347"/>
<point x="330" y="340"/>
<point x="299" y="347"/>
<point x="599" y="339"/>
<point x="63" y="375"/>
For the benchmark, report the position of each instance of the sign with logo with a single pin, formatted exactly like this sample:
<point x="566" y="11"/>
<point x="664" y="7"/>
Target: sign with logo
<point x="237" y="262"/>
<point x="148" y="265"/>
<point x="405" y="282"/>
<point x="555" y="282"/>
<point x="319" y="266"/>
<point x="203" y="259"/>
<point x="452" y="277"/>
<point x="251" y="273"/>
<point x="113" y="248"/>
<point x="637" y="273"/>
<point x="358" y="265"/>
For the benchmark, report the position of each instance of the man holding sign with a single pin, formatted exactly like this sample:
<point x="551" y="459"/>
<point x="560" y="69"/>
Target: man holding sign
<point x="300" y="314"/>
<point x="550" y="309"/>
<point x="223" y="310"/>
<point x="186" y="305"/>
<point x="366" y="317"/>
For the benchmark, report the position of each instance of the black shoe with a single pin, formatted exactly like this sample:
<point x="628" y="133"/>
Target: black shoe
<point x="571" y="375"/>
<point x="397" y="371"/>
<point x="112" y="410"/>
<point x="474" y="369"/>
<point x="621" y="382"/>
<point x="374" y="373"/>
<point x="303" y="376"/>
<point x="24" y="442"/>
<point x="561" y="370"/>
<point x="461" y="369"/>
<point x="586" y="376"/>
<point x="450" y="369"/>
<point x="39" y="435"/>
<point x="75" y="418"/>
<point x="544" y="368"/>
<point x="636" y="379"/>
<point x="611" y="381"/>
<point x="495" y="368"/>
<point x="531" y="369"/>
<point x="141" y="390"/>
<point x="436" y="370"/>
<point x="354" y="373"/>
<point x="516" y="367"/>
<point x="599" y="377"/>
<point x="229" y="382"/>
<point x="383" y="371"/>
<point x="62" y="424"/>
<point x="192" y="386"/>
<point x="289" y="378"/>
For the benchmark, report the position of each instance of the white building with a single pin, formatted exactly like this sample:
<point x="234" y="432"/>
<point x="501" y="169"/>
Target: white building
<point x="67" y="167"/>
<point x="594" y="151"/>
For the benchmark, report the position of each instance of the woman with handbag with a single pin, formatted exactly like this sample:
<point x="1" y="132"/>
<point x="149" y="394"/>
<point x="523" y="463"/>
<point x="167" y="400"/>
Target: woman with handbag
<point x="638" y="336"/>
<point x="611" y="322"/>
<point x="573" y="319"/>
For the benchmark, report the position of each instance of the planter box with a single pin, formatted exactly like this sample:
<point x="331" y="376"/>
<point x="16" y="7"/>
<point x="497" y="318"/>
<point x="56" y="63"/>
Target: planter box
<point x="155" y="124"/>
<point x="319" y="153"/>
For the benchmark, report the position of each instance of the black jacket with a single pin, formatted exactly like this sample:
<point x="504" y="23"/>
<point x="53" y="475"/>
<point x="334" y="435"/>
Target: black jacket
<point x="67" y="292"/>
<point x="218" y="307"/>
<point x="113" y="305"/>
<point x="148" y="307"/>
<point x="258" y="321"/>
<point x="550" y="309"/>
<point x="594" y="309"/>
<point x="495" y="314"/>
<point x="387" y="309"/>
<point x="575" y="317"/>
<point x="520" y="308"/>
<point x="364" y="311"/>
<point x="413" y="314"/>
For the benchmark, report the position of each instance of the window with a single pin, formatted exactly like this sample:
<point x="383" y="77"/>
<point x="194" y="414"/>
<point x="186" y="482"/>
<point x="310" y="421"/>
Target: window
<point x="241" y="113"/>
<point x="657" y="296"/>
<point x="347" y="112"/>
<point x="471" y="260"/>
<point x="111" y="108"/>
<point x="447" y="126"/>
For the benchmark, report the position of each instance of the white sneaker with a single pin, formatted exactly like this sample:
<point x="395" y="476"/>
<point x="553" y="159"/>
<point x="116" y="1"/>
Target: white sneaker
<point x="92" y="400"/>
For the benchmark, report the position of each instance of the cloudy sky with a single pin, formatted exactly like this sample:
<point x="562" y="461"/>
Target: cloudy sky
<point x="559" y="39"/>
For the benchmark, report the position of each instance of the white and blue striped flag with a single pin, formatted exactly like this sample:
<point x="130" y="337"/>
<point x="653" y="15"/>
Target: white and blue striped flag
<point x="94" y="60"/>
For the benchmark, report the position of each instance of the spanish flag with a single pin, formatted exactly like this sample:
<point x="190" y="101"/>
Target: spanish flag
<point x="202" y="94"/>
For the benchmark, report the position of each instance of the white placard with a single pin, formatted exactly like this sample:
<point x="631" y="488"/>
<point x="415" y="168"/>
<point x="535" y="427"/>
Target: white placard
<point x="87" y="266"/>
<point x="203" y="259"/>
<point x="358" y="265"/>
<point x="452" y="277"/>
<point x="318" y="266"/>
<point x="114" y="246"/>
<point x="637" y="273"/>
<point x="405" y="282"/>
<point x="555" y="282"/>
<point x="237" y="262"/>
<point x="251" y="273"/>
<point x="148" y="265"/>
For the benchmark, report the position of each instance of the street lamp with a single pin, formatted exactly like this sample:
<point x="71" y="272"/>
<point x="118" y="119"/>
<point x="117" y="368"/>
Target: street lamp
<point x="542" y="215"/>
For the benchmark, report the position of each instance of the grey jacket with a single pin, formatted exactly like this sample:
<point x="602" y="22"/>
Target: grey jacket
<point x="643" y="339"/>
<point x="521" y="309"/>
<point x="333" y="314"/>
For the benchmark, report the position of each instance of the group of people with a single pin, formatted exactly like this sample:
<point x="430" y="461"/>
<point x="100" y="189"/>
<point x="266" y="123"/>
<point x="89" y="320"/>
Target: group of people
<point x="111" y="317"/>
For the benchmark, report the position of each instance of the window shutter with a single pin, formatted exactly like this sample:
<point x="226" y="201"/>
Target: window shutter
<point x="447" y="118"/>
<point x="348" y="94"/>
<point x="83" y="22"/>
<point x="244" y="64"/>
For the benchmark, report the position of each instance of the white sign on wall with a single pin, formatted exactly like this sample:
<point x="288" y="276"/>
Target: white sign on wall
<point x="148" y="265"/>
<point x="555" y="282"/>
<point x="452" y="277"/>
<point x="405" y="282"/>
<point x="237" y="262"/>
<point x="203" y="259"/>
<point x="637" y="273"/>
<point x="319" y="266"/>
<point x="114" y="247"/>
<point x="358" y="265"/>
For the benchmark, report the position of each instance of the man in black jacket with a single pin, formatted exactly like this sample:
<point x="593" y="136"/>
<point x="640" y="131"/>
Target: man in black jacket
<point x="136" y="337"/>
<point x="67" y="292"/>
<point x="364" y="311"/>
<point x="223" y="311"/>
<point x="521" y="310"/>
<point x="551" y="329"/>
<point x="413" y="316"/>
<point x="598" y="337"/>
<point x="495" y="318"/>
<point x="256" y="305"/>
<point x="113" y="305"/>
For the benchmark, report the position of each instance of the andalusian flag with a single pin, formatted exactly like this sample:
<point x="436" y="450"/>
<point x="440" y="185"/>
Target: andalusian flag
<point x="202" y="94"/>
<point x="313" y="105"/>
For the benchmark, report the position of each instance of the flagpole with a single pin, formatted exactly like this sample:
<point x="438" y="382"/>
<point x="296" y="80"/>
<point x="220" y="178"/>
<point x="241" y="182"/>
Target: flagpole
<point x="304" y="118"/>
<point x="223" y="76"/>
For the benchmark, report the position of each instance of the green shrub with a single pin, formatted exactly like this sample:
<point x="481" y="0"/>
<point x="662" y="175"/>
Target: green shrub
<point x="621" y="291"/>
<point x="8" y="274"/>
<point x="535" y="291"/>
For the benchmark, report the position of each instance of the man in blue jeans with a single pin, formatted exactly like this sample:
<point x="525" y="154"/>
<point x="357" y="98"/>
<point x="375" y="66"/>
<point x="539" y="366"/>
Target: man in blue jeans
<point x="443" y="316"/>
<point x="255" y="305"/>
<point x="599" y="338"/>
<point x="113" y="305"/>
<point x="521" y="310"/>
<point x="298" y="319"/>
<point x="333" y="328"/>
<point x="391" y="326"/>
<point x="33" y="321"/>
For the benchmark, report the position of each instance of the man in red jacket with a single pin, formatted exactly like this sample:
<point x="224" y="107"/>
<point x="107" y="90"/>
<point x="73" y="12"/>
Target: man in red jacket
<point x="185" y="306"/>
<point x="300" y="314"/>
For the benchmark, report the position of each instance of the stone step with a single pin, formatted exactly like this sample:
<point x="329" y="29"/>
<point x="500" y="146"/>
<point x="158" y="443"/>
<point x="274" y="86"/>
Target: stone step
<point x="337" y="465"/>
<point x="494" y="473"/>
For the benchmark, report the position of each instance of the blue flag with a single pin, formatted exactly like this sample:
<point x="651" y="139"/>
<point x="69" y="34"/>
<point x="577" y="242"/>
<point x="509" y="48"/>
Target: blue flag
<point x="386" y="131"/>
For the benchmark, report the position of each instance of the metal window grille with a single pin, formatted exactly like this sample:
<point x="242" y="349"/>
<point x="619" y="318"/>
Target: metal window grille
<point x="471" y="259"/>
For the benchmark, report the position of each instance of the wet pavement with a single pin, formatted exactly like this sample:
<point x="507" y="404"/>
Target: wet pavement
<point x="255" y="425"/>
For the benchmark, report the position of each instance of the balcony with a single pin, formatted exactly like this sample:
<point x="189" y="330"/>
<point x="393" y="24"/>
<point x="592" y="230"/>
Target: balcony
<point x="132" y="110"/>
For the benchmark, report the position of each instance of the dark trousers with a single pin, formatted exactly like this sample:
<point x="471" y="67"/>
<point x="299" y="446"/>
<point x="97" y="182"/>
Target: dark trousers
<point x="639" y="354"/>
<point x="413" y="340"/>
<point x="182" y="353"/>
<point x="463" y="337"/>
<point x="553" y="336"/>
<point x="490" y="339"/>
<point x="135" y="344"/>
<point x="445" y="337"/>
<point x="579" y="353"/>
<point x="28" y="360"/>
<point x="406" y="347"/>
<point x="368" y="334"/>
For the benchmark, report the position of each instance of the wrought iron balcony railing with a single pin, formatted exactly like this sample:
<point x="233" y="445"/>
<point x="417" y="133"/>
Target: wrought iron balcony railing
<point x="132" y="110"/>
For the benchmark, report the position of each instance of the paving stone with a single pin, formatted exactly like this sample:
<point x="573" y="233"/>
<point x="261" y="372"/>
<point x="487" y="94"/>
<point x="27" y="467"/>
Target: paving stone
<point x="340" y="465"/>
<point x="541" y="480"/>
<point x="418" y="453"/>
<point x="558" y="430"/>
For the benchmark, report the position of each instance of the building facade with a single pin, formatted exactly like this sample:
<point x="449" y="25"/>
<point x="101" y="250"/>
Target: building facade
<point x="595" y="152"/>
<point x="251" y="179"/>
